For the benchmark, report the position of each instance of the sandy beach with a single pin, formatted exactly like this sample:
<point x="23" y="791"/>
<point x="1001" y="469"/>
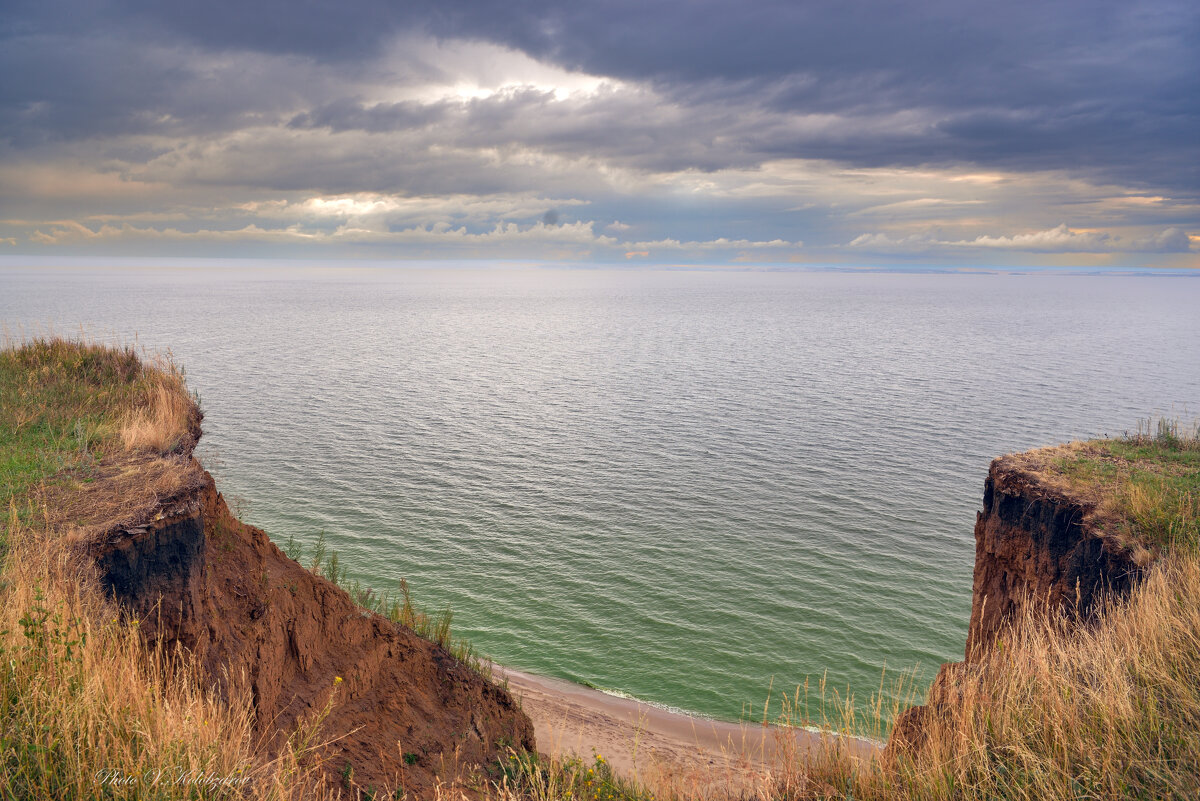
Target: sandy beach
<point x="640" y="740"/>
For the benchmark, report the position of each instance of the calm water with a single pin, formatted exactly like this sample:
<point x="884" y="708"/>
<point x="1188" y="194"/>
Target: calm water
<point x="683" y="486"/>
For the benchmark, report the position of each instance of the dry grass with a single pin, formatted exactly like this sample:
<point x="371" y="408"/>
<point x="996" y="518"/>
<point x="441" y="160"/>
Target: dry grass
<point x="167" y="419"/>
<point x="1104" y="711"/>
<point x="88" y="709"/>
<point x="82" y="694"/>
<point x="92" y="438"/>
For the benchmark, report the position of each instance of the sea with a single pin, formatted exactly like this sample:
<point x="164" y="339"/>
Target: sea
<point x="705" y="489"/>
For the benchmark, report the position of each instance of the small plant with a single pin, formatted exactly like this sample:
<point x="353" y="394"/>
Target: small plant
<point x="1146" y="484"/>
<point x="334" y="570"/>
<point x="293" y="550"/>
<point x="318" y="554"/>
<point x="528" y="775"/>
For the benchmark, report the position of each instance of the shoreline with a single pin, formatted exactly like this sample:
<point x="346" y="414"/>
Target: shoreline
<point x="637" y="738"/>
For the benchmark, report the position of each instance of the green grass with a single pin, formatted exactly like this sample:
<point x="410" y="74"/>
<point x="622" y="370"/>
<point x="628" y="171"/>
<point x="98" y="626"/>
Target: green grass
<point x="60" y="408"/>
<point x="1148" y="483"/>
<point x="528" y="776"/>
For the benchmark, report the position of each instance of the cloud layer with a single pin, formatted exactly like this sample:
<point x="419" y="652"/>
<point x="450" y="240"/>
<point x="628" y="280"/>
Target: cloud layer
<point x="717" y="132"/>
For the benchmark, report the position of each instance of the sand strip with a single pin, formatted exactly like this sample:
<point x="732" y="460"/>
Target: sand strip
<point x="635" y="737"/>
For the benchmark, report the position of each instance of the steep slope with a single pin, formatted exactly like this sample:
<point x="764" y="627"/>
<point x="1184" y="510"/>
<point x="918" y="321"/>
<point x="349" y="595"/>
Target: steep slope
<point x="1037" y="543"/>
<point x="1054" y="540"/>
<point x="406" y="713"/>
<point x="96" y="445"/>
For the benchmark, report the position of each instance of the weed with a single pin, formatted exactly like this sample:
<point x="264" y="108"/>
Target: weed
<point x="1146" y="485"/>
<point x="318" y="555"/>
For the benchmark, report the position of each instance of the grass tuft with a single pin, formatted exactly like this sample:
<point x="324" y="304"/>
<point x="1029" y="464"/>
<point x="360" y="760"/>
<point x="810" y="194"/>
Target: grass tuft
<point x="1060" y="712"/>
<point x="167" y="421"/>
<point x="529" y="777"/>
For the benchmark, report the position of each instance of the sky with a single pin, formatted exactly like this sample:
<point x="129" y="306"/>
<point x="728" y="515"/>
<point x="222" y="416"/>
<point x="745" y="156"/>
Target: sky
<point x="918" y="132"/>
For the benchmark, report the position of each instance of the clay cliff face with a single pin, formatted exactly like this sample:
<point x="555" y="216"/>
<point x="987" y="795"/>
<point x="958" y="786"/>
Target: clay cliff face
<point x="1036" y="544"/>
<point x="407" y="711"/>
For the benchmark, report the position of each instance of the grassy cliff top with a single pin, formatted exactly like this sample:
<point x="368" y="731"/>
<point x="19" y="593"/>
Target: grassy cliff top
<point x="1143" y="488"/>
<point x="95" y="428"/>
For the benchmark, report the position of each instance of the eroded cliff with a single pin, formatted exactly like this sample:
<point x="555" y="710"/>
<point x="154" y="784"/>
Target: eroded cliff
<point x="1038" y="543"/>
<point x="1042" y="545"/>
<point x="406" y="713"/>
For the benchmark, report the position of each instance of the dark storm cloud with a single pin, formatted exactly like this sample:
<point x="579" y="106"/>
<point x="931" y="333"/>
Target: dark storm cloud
<point x="1108" y="87"/>
<point x="858" y="51"/>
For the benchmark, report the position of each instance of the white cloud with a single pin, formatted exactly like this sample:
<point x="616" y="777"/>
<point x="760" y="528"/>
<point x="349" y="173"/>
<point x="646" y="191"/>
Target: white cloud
<point x="916" y="206"/>
<point x="392" y="207"/>
<point x="1060" y="239"/>
<point x="463" y="69"/>
<point x="1170" y="240"/>
<point x="571" y="233"/>
<point x="896" y="244"/>
<point x="576" y="233"/>
<point x="504" y="238"/>
<point x="68" y="231"/>
<point x="1055" y="240"/>
<point x="720" y="243"/>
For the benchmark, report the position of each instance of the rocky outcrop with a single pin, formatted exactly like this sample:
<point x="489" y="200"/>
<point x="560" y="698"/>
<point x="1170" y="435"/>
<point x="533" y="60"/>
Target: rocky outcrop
<point x="406" y="711"/>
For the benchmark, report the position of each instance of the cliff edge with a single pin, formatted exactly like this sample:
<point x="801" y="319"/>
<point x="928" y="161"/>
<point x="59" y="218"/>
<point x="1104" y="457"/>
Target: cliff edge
<point x="100" y="476"/>
<point x="409" y="713"/>
<point x="1040" y="542"/>
<point x="1062" y="532"/>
